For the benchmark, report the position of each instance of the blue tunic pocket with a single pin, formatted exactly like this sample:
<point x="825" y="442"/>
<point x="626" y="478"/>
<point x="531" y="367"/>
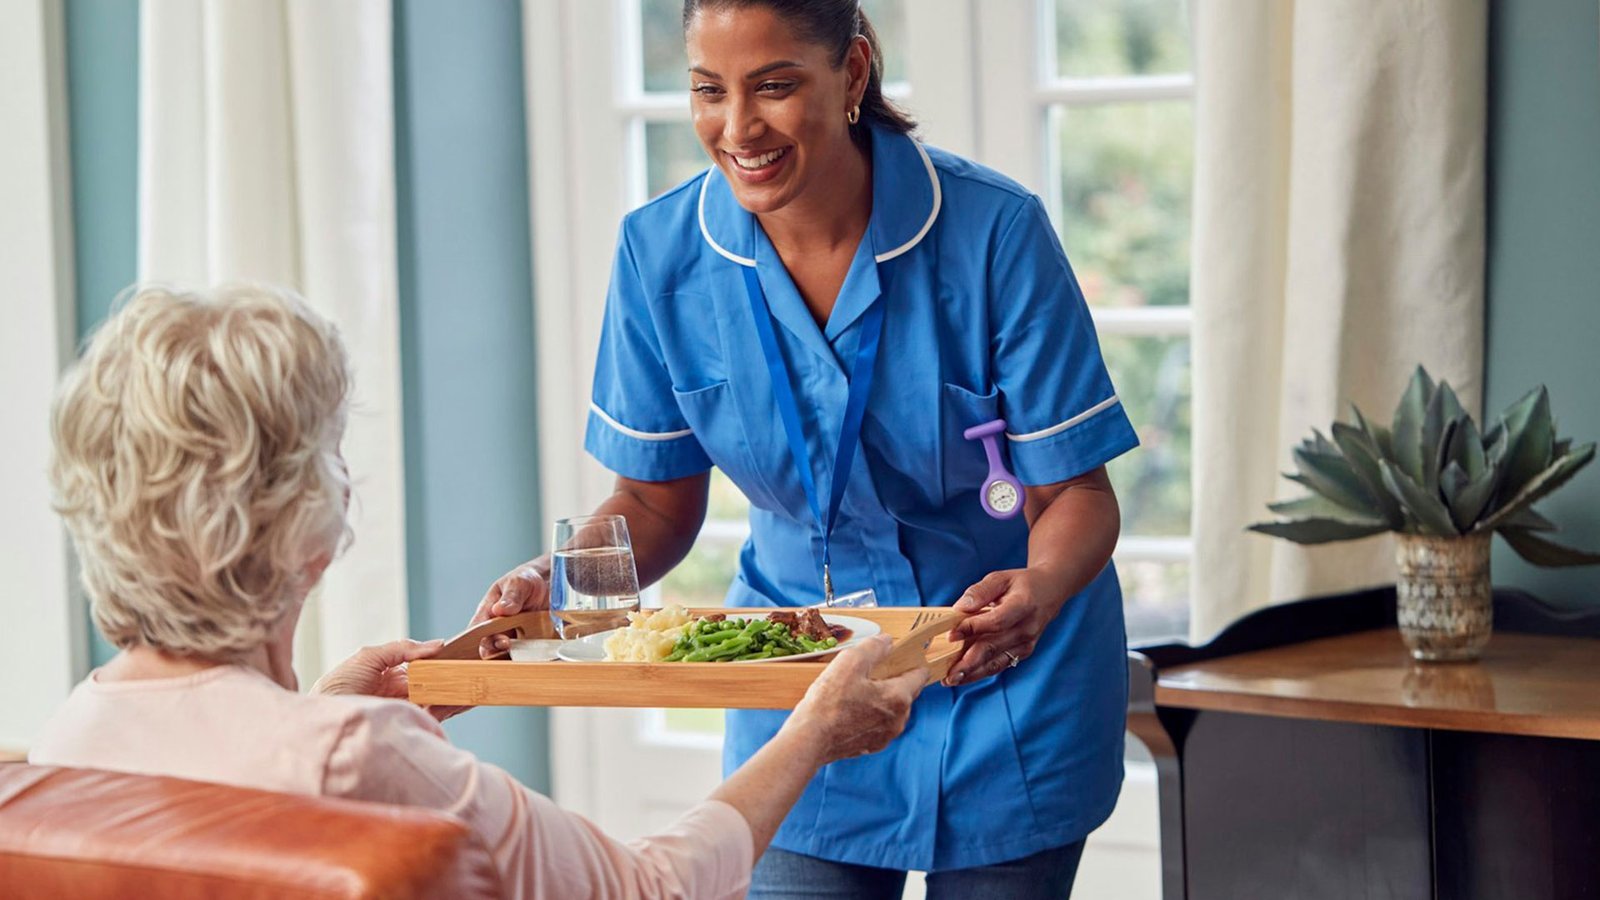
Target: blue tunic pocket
<point x="714" y="416"/>
<point x="964" y="464"/>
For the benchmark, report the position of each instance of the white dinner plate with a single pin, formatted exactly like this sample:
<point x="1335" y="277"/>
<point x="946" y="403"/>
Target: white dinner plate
<point x="592" y="648"/>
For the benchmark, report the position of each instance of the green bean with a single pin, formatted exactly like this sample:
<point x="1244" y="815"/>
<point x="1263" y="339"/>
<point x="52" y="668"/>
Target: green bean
<point x="734" y="640"/>
<point x="729" y="649"/>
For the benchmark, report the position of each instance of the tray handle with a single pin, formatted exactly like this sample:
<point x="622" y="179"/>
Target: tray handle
<point x="533" y="623"/>
<point x="911" y="649"/>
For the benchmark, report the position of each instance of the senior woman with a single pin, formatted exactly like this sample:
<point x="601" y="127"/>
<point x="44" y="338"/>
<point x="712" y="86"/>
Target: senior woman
<point x="197" y="467"/>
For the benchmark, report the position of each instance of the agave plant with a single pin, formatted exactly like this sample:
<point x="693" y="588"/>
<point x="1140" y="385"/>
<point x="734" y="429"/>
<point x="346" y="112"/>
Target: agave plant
<point x="1433" y="472"/>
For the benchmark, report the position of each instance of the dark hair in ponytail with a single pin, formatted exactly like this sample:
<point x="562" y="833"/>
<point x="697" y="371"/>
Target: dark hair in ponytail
<point x="834" y="24"/>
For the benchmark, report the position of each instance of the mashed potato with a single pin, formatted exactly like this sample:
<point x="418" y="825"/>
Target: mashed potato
<point x="649" y="636"/>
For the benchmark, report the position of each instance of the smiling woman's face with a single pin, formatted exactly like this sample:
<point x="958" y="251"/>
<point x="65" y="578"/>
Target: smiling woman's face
<point x="768" y="106"/>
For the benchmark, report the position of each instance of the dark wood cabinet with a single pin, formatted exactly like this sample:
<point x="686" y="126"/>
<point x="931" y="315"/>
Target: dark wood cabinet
<point x="1303" y="756"/>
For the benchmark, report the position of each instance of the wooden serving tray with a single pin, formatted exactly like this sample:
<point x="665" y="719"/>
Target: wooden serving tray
<point x="459" y="679"/>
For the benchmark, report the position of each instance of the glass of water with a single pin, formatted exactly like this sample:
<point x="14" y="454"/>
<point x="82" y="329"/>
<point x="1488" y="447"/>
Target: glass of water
<point x="593" y="582"/>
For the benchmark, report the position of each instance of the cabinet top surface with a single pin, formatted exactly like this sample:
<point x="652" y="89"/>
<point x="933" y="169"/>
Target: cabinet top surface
<point x="1524" y="684"/>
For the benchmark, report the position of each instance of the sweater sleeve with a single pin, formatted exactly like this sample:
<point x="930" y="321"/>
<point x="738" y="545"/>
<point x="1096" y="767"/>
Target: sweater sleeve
<point x="391" y="752"/>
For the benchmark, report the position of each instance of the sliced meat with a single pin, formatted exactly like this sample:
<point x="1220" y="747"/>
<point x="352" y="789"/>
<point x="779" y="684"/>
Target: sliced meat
<point x="812" y="625"/>
<point x="809" y="622"/>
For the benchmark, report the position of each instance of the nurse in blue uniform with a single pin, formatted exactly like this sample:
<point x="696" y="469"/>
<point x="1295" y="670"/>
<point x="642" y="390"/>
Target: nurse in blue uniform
<point x="830" y="283"/>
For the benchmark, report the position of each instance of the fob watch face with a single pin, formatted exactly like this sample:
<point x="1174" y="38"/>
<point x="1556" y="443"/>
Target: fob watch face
<point x="1002" y="496"/>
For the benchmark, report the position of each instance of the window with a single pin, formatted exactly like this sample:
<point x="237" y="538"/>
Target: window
<point x="1103" y="131"/>
<point x="663" y="151"/>
<point x="1086" y="102"/>
<point x="1114" y="98"/>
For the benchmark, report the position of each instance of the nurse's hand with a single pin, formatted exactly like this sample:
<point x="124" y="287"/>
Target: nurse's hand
<point x="1009" y="612"/>
<point x="846" y="712"/>
<point x="522" y="589"/>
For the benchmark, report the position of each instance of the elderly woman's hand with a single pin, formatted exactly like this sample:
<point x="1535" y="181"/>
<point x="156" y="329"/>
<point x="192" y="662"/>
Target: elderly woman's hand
<point x="847" y="712"/>
<point x="1009" y="612"/>
<point x="377" y="671"/>
<point x="525" y="588"/>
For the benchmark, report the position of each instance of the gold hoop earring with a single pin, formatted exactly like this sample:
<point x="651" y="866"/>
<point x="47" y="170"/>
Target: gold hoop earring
<point x="853" y="116"/>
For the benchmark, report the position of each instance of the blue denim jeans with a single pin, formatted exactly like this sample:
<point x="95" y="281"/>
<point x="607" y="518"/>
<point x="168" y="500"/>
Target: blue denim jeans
<point x="1047" y="875"/>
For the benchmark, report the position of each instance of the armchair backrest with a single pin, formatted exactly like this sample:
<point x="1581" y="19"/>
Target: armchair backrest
<point x="92" y="834"/>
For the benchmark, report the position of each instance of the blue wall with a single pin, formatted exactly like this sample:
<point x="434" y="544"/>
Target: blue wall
<point x="466" y="321"/>
<point x="103" y="119"/>
<point x="1543" y="322"/>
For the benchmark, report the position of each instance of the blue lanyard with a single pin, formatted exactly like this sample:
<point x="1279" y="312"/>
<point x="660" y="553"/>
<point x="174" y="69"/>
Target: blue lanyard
<point x="855" y="408"/>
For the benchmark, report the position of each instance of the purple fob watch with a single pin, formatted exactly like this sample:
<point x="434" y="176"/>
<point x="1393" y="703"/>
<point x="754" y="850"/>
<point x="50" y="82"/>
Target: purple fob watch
<point x="1002" y="492"/>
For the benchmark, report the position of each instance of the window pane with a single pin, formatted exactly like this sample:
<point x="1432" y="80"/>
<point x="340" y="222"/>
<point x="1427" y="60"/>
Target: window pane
<point x="1108" y="38"/>
<point x="888" y="19"/>
<point x="1124" y="179"/>
<point x="703" y="577"/>
<point x="672" y="155"/>
<point x="727" y="503"/>
<point x="666" y="66"/>
<point x="1155" y="599"/>
<point x="1152" y="378"/>
<point x="693" y="721"/>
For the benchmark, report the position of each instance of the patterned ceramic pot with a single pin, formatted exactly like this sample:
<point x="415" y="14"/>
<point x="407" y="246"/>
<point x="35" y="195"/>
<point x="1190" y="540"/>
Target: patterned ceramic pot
<point x="1446" y="606"/>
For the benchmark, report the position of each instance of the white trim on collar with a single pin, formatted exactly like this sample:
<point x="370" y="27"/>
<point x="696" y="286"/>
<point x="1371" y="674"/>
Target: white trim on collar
<point x="933" y="180"/>
<point x="706" y="233"/>
<point x="938" y="200"/>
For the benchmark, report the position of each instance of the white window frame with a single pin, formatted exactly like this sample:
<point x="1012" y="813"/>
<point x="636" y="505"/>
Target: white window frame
<point x="637" y="108"/>
<point x="584" y="141"/>
<point x="1016" y="141"/>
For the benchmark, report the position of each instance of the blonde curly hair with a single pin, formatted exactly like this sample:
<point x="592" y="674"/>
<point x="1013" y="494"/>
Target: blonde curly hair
<point x="197" y="464"/>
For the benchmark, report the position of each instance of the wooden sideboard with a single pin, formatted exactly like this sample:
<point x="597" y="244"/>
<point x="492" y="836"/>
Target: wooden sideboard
<point x="1302" y="755"/>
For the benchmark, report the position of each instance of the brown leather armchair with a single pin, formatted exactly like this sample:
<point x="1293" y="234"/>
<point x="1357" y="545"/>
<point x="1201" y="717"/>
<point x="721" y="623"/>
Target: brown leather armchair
<point x="90" y="834"/>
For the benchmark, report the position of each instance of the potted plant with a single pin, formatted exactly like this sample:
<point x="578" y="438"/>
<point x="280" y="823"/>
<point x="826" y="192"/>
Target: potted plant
<point x="1443" y="486"/>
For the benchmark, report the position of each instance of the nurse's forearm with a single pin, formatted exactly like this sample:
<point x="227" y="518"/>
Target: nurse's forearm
<point x="664" y="518"/>
<point x="1073" y="530"/>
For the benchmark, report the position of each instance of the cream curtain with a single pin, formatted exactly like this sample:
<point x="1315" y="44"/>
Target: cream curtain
<point x="1338" y="242"/>
<point x="266" y="141"/>
<point x="43" y="625"/>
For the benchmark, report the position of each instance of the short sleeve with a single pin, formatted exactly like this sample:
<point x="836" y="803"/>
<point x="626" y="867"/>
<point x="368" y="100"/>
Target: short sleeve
<point x="635" y="428"/>
<point x="1063" y="416"/>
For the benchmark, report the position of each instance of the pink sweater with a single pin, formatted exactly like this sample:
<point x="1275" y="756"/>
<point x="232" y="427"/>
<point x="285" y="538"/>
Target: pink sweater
<point x="234" y="725"/>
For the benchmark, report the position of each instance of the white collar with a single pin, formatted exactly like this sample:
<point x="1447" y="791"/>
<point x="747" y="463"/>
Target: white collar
<point x="905" y="196"/>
